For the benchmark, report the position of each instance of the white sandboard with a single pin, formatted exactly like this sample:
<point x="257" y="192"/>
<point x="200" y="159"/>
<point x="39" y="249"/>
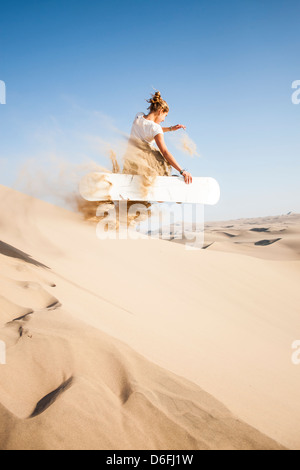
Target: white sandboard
<point x="119" y="187"/>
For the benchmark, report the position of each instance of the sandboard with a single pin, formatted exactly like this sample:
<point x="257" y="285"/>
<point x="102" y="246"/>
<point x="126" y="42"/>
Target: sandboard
<point x="118" y="187"/>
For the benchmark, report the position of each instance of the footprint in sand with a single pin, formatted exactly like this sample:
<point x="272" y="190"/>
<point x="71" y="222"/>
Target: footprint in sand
<point x="49" y="399"/>
<point x="20" y="298"/>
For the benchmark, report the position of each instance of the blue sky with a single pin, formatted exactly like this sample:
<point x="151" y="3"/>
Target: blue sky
<point x="77" y="72"/>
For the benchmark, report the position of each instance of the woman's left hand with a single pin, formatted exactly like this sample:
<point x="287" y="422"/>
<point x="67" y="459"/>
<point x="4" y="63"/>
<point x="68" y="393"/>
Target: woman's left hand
<point x="177" y="127"/>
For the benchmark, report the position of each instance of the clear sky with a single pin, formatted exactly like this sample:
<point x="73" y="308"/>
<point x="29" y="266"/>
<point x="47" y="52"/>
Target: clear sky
<point x="77" y="72"/>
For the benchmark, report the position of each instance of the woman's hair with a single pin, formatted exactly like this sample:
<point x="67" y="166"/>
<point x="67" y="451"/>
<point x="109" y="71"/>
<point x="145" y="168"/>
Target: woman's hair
<point x="157" y="103"/>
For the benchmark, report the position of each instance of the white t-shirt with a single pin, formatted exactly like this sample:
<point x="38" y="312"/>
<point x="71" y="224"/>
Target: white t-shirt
<point x="144" y="129"/>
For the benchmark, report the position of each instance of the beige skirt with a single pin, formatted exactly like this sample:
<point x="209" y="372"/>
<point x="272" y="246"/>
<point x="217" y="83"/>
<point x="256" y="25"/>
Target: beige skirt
<point x="142" y="159"/>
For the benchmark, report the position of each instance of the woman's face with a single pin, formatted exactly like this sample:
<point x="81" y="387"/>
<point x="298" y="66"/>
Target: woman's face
<point x="162" y="116"/>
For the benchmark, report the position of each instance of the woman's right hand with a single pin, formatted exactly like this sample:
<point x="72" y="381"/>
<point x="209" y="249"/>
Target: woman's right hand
<point x="187" y="177"/>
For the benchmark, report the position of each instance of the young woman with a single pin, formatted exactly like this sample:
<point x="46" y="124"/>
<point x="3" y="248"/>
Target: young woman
<point x="146" y="130"/>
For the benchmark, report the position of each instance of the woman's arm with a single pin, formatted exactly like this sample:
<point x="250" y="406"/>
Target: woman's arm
<point x="173" y="128"/>
<point x="160" y="141"/>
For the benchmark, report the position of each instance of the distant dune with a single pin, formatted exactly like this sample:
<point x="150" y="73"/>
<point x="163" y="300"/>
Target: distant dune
<point x="242" y="236"/>
<point x="141" y="344"/>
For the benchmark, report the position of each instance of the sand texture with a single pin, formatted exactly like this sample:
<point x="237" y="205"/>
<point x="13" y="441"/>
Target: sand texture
<point x="142" y="344"/>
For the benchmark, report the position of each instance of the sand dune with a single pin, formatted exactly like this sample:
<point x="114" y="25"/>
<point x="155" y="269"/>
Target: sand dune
<point x="279" y="233"/>
<point x="68" y="386"/>
<point x="244" y="236"/>
<point x="140" y="344"/>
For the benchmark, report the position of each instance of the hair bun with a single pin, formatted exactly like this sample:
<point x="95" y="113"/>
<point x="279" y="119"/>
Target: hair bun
<point x="156" y="97"/>
<point x="156" y="102"/>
